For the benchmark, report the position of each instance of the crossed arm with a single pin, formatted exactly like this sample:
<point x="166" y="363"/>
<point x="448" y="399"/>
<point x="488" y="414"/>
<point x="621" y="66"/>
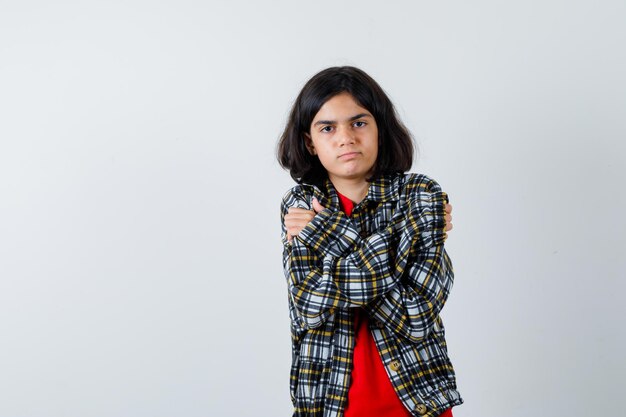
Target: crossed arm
<point x="401" y="274"/>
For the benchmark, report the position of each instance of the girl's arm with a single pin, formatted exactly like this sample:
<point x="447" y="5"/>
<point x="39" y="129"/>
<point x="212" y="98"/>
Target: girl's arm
<point x="411" y="309"/>
<point x="329" y="266"/>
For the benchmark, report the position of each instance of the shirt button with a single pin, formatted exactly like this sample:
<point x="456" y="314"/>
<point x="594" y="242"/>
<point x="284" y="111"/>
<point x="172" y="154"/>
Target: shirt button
<point x="421" y="408"/>
<point x="395" y="365"/>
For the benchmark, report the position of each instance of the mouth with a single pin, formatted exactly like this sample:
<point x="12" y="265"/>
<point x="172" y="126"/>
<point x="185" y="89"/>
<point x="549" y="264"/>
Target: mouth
<point x="349" y="154"/>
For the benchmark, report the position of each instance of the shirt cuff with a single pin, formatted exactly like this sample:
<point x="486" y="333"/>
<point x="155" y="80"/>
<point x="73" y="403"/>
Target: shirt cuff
<point x="433" y="226"/>
<point x="329" y="232"/>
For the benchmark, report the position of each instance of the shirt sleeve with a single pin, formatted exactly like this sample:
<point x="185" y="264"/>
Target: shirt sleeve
<point x="320" y="281"/>
<point x="411" y="308"/>
<point x="329" y="266"/>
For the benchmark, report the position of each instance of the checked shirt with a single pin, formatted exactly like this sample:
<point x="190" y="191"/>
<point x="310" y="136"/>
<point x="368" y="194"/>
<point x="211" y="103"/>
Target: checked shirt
<point x="389" y="259"/>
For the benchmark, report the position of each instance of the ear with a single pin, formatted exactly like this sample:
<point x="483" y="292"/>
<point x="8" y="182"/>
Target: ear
<point x="308" y="142"/>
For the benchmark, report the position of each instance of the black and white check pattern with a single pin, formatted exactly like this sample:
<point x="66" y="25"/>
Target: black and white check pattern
<point x="388" y="258"/>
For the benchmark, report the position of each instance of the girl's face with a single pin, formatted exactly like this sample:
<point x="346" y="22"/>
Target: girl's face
<point x="344" y="136"/>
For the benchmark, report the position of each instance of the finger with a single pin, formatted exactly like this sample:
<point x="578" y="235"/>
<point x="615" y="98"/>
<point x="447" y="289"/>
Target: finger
<point x="295" y="210"/>
<point x="300" y="216"/>
<point x="317" y="205"/>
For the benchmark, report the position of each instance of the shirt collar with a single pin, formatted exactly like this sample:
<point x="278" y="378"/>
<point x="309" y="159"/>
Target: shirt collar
<point x="383" y="188"/>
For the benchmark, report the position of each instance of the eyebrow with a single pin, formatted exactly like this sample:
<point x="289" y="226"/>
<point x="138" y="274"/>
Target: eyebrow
<point x="330" y="122"/>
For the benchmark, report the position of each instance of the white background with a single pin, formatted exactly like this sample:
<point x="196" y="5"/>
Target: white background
<point x="140" y="254"/>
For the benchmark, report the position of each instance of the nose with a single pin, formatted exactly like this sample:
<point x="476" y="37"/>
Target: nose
<point x="345" y="135"/>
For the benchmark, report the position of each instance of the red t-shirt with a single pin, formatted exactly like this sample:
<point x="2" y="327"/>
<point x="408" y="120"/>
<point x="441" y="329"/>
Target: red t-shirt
<point x="371" y="393"/>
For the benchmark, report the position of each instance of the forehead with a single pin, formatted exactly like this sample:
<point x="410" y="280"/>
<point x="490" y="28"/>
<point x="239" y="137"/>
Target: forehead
<point x="339" y="107"/>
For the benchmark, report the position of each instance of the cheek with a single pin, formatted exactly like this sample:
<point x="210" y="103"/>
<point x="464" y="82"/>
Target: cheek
<point x="325" y="155"/>
<point x="374" y="145"/>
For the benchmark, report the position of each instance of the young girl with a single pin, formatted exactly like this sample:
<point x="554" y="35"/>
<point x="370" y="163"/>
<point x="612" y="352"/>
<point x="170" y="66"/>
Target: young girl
<point x="363" y="257"/>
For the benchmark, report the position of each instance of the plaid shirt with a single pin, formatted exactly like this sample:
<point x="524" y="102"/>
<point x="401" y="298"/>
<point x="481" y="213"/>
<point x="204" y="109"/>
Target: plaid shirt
<point x="387" y="258"/>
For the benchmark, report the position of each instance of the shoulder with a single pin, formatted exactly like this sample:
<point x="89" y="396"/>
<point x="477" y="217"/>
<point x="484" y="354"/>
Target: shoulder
<point x="416" y="183"/>
<point x="298" y="196"/>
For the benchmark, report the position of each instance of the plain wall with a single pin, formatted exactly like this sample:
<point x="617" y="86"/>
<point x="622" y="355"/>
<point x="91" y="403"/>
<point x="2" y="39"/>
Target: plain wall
<point x="140" y="254"/>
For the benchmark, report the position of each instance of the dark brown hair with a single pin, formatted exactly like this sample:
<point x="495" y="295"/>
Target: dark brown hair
<point x="395" y="143"/>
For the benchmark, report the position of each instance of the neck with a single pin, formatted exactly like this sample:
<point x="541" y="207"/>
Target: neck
<point x="353" y="188"/>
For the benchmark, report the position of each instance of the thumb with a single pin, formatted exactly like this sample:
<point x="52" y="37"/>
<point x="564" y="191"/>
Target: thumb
<point x="317" y="206"/>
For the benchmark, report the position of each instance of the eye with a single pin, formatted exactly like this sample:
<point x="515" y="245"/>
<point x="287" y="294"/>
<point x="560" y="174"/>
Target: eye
<point x="326" y="129"/>
<point x="359" y="123"/>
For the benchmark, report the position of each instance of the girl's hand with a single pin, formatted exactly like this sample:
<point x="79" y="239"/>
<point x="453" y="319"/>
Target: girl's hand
<point x="448" y="217"/>
<point x="297" y="218"/>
